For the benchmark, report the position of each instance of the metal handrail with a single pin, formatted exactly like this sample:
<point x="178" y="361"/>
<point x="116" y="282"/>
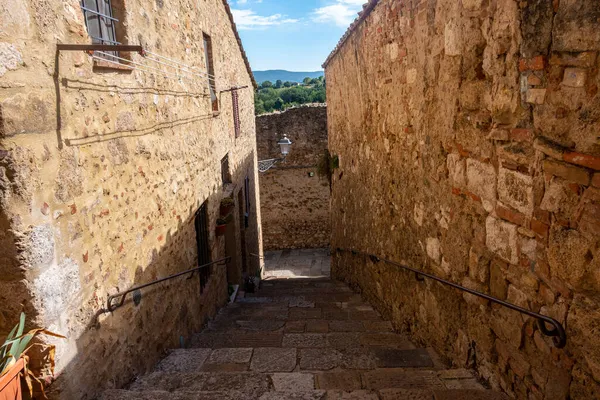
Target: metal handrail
<point x="558" y="334"/>
<point x="113" y="306"/>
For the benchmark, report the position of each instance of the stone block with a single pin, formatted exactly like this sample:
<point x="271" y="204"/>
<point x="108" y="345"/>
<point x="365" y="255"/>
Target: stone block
<point x="10" y="58"/>
<point x="456" y="170"/>
<point x="576" y="26"/>
<point x="317" y="326"/>
<point x="472" y="5"/>
<point x="536" y="27"/>
<point x="499" y="134"/>
<point x="535" y="96"/>
<point x="533" y="80"/>
<point x="479" y="266"/>
<point x="584" y="324"/>
<point x="273" y="359"/>
<point x="304" y="340"/>
<point x="342" y="380"/>
<point x="27" y="113"/>
<point x="596" y="180"/>
<point x="300" y="395"/>
<point x="568" y="172"/>
<point x="589" y="220"/>
<point x="353" y="395"/>
<point x="406" y="394"/>
<point x="569" y="257"/>
<point x="574" y="77"/>
<point x="586" y="59"/>
<point x="501" y="238"/>
<point x="396" y="358"/>
<point x="300" y="313"/>
<point x="347" y="326"/>
<point x="481" y="179"/>
<point x="230" y="355"/>
<point x="319" y="359"/>
<point x="453" y="42"/>
<point x="516" y="190"/>
<point x="559" y="198"/>
<point x="433" y="249"/>
<point x="389" y="378"/>
<point x="293" y="382"/>
<point x="184" y="360"/>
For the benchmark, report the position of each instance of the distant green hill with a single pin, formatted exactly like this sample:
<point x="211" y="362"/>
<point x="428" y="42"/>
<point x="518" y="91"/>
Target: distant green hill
<point x="292" y="76"/>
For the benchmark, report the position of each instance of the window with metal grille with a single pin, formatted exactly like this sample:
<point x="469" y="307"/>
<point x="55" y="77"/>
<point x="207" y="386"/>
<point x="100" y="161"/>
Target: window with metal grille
<point x="236" y="113"/>
<point x="225" y="174"/>
<point x="210" y="69"/>
<point x="101" y="23"/>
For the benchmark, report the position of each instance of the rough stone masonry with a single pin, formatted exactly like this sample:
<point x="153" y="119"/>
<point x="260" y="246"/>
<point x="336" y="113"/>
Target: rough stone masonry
<point x="102" y="172"/>
<point x="294" y="199"/>
<point x="468" y="139"/>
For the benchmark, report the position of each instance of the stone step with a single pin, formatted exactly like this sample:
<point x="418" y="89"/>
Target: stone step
<point x="322" y="376"/>
<point x="274" y="359"/>
<point x="385" y="394"/>
<point x="336" y="340"/>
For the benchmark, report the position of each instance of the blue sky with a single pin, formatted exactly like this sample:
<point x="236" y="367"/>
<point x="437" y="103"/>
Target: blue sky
<point x="296" y="35"/>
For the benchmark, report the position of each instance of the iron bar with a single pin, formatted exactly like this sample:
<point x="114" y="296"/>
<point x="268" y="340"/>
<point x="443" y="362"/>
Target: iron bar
<point x="99" y="47"/>
<point x="99" y="13"/>
<point x="233" y="88"/>
<point x="558" y="334"/>
<point x="111" y="307"/>
<point x="104" y="40"/>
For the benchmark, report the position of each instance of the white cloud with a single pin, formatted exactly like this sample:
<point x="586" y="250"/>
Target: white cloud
<point x="248" y="19"/>
<point x="341" y="13"/>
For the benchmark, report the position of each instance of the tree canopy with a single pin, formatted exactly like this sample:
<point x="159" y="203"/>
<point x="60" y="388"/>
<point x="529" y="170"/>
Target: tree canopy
<point x="283" y="95"/>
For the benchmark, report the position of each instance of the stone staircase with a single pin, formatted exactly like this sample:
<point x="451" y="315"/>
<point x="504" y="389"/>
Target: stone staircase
<point x="302" y="340"/>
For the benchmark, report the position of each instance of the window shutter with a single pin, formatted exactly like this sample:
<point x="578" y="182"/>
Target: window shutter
<point x="236" y="113"/>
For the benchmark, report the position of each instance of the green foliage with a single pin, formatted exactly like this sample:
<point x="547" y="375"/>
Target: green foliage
<point x="16" y="346"/>
<point x="268" y="98"/>
<point x="307" y="80"/>
<point x="327" y="164"/>
<point x="278" y="84"/>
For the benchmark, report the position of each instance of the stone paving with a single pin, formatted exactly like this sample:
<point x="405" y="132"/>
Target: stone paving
<point x="302" y="263"/>
<point x="302" y="339"/>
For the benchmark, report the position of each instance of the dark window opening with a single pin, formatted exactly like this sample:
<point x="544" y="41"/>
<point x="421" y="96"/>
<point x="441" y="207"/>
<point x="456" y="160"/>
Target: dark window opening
<point x="201" y="225"/>
<point x="236" y="113"/>
<point x="210" y="69"/>
<point x="225" y="173"/>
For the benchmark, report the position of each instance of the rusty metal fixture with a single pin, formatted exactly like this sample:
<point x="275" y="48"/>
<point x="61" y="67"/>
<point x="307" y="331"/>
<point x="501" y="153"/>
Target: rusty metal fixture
<point x="112" y="306"/>
<point x="557" y="332"/>
<point x="99" y="47"/>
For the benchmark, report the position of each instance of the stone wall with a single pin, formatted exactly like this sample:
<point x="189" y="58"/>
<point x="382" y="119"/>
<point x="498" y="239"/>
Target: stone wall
<point x="102" y="171"/>
<point x="467" y="133"/>
<point x="294" y="204"/>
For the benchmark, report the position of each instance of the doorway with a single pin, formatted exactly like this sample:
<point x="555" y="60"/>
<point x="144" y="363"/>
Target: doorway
<point x="242" y="223"/>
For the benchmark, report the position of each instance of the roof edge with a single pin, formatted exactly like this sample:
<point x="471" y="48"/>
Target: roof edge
<point x="239" y="40"/>
<point x="362" y="15"/>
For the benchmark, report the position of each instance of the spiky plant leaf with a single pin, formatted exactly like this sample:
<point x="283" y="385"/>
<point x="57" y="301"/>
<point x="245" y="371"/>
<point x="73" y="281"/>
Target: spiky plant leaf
<point x="7" y="364"/>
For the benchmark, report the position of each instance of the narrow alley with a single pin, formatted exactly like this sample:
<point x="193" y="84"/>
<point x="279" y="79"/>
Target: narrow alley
<point x="303" y="338"/>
